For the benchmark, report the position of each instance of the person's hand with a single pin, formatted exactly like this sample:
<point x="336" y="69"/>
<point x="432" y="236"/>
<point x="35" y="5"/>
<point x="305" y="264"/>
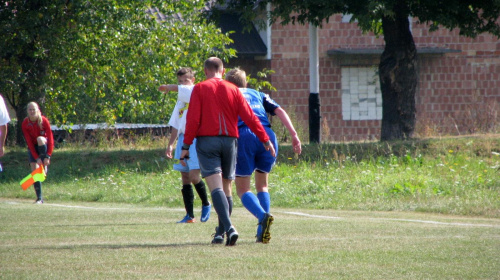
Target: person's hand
<point x="46" y="161"/>
<point x="269" y="147"/>
<point x="184" y="157"/>
<point x="297" y="148"/>
<point x="163" y="88"/>
<point x="168" y="151"/>
<point x="39" y="161"/>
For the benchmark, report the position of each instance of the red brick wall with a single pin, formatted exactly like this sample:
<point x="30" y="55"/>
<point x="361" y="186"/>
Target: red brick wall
<point x="455" y="93"/>
<point x="460" y="92"/>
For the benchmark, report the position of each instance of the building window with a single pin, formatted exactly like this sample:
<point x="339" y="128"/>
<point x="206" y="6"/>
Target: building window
<point x="361" y="95"/>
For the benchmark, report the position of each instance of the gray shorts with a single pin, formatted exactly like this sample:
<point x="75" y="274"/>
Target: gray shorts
<point x="217" y="154"/>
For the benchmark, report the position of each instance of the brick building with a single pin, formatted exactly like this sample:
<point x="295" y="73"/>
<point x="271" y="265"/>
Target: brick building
<point x="458" y="90"/>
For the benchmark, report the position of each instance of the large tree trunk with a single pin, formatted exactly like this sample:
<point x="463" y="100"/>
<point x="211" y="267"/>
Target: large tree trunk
<point x="21" y="113"/>
<point x="398" y="76"/>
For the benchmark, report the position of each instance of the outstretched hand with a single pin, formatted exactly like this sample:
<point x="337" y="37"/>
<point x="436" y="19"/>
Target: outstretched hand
<point x="297" y="147"/>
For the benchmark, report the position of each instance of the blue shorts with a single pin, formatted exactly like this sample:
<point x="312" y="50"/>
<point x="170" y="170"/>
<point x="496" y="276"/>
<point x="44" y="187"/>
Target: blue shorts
<point x="192" y="163"/>
<point x="217" y="154"/>
<point x="251" y="153"/>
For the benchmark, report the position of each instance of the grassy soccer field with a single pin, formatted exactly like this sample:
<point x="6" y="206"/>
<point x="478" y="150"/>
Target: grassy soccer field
<point x="419" y="209"/>
<point x="121" y="241"/>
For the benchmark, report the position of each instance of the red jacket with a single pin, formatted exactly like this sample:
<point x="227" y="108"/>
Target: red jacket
<point x="214" y="109"/>
<point x="31" y="131"/>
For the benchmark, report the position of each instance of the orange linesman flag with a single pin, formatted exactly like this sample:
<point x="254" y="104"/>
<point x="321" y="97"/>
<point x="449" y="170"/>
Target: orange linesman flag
<point x="38" y="175"/>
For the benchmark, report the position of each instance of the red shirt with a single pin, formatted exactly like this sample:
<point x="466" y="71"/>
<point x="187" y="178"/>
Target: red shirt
<point x="214" y="109"/>
<point x="32" y="131"/>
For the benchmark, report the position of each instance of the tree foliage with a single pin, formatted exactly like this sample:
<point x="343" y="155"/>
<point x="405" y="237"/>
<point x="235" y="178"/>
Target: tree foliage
<point x="101" y="61"/>
<point x="397" y="69"/>
<point x="471" y="17"/>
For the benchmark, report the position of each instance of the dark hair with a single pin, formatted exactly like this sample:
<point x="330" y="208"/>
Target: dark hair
<point x="237" y="76"/>
<point x="214" y="64"/>
<point x="185" y="71"/>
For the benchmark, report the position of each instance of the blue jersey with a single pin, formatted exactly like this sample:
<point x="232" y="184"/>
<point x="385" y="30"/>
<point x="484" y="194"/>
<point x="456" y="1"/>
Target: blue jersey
<point x="260" y="103"/>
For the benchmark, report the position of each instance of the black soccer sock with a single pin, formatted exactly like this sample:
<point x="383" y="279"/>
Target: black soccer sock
<point x="221" y="207"/>
<point x="188" y="196"/>
<point x="38" y="190"/>
<point x="202" y="192"/>
<point x="230" y="204"/>
<point x="220" y="229"/>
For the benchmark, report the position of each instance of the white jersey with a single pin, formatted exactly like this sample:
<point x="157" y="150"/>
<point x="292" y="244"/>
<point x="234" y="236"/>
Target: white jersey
<point x="4" y="114"/>
<point x="178" y="118"/>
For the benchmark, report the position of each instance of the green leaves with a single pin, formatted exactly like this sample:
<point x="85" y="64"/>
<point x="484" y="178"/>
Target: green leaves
<point x="92" y="61"/>
<point x="471" y="17"/>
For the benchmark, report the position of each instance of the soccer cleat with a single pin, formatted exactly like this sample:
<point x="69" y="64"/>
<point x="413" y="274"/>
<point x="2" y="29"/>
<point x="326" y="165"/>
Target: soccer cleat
<point x="39" y="201"/>
<point x="205" y="213"/>
<point x="218" y="237"/>
<point x="259" y="234"/>
<point x="186" y="220"/>
<point x="232" y="236"/>
<point x="266" y="223"/>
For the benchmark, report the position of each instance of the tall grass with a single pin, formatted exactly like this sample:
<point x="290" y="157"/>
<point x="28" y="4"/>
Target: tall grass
<point x="449" y="175"/>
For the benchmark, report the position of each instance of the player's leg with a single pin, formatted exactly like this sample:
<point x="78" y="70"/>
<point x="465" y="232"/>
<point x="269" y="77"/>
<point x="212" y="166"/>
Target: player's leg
<point x="199" y="185"/>
<point x="188" y="198"/>
<point x="187" y="188"/>
<point x="37" y="185"/>
<point x="221" y="206"/>
<point x="264" y="163"/>
<point x="214" y="155"/>
<point x="261" y="185"/>
<point x="248" y="199"/>
<point x="227" y="187"/>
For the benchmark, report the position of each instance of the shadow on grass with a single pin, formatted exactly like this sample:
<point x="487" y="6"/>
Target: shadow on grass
<point x="123" y="246"/>
<point x="70" y="164"/>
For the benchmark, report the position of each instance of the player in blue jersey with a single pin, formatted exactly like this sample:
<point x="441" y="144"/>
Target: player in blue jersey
<point x="253" y="157"/>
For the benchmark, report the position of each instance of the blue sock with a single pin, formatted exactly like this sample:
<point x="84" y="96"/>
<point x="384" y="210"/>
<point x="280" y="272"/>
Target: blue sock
<point x="251" y="203"/>
<point x="265" y="201"/>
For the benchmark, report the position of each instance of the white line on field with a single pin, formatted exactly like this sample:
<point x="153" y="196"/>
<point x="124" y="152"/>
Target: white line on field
<point x="95" y="208"/>
<point x="389" y="219"/>
<point x="86" y="207"/>
<point x="312" y="216"/>
<point x="111" y="208"/>
<point x="284" y="212"/>
<point x="442" y="223"/>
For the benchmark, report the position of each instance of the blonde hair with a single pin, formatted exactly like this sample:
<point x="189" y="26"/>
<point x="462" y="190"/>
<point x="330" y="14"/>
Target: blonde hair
<point x="238" y="77"/>
<point x="38" y="113"/>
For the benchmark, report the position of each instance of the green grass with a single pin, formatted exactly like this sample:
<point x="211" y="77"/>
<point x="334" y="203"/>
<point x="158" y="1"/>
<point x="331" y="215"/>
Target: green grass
<point x="82" y="240"/>
<point x="420" y="209"/>
<point x="459" y="176"/>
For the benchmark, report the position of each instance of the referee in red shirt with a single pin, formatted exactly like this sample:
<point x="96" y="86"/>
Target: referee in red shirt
<point x="212" y="119"/>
